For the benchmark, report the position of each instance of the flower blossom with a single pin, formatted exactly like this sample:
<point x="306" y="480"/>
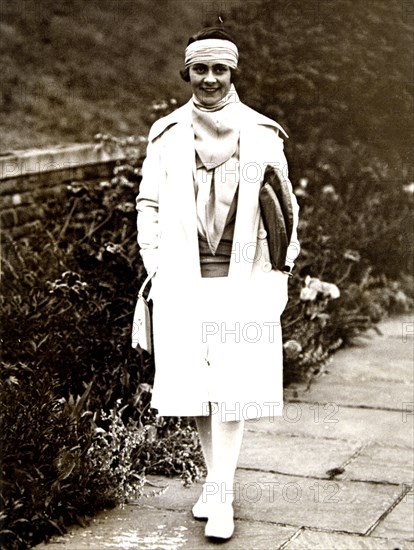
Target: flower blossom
<point x="126" y="207"/>
<point x="308" y="294"/>
<point x="352" y="255"/>
<point x="313" y="285"/>
<point x="409" y="188"/>
<point x="330" y="192"/>
<point x="292" y="349"/>
<point x="113" y="248"/>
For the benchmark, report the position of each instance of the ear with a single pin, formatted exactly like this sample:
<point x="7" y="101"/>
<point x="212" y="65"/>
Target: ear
<point x="235" y="75"/>
<point x="185" y="75"/>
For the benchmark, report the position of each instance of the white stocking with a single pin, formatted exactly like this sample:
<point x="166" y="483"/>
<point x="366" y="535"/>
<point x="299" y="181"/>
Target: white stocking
<point x="204" y="432"/>
<point x="226" y="438"/>
<point x="221" y="442"/>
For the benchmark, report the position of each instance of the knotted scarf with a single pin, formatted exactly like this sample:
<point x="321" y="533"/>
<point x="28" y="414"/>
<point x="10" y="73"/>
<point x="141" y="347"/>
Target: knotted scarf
<point x="216" y="132"/>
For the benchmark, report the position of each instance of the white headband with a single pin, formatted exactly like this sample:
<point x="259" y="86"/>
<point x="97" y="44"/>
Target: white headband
<point x="212" y="50"/>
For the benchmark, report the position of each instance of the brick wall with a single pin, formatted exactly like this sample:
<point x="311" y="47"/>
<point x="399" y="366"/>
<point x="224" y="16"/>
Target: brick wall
<point x="29" y="178"/>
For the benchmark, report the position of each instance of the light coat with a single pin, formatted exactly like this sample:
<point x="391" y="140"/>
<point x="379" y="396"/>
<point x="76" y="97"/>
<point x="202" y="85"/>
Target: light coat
<point x="245" y="333"/>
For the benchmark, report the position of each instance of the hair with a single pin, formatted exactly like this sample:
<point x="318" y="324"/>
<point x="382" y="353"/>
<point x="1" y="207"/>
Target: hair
<point x="204" y="34"/>
<point x="211" y="32"/>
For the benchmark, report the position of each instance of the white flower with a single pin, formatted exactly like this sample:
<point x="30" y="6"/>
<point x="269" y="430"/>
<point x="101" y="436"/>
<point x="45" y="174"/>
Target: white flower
<point x="330" y="192"/>
<point x="292" y="349"/>
<point x="126" y="207"/>
<point x="409" y="188"/>
<point x="308" y="294"/>
<point x="352" y="255"/>
<point x="314" y="285"/>
<point x="113" y="248"/>
<point x="300" y="192"/>
<point x="330" y="290"/>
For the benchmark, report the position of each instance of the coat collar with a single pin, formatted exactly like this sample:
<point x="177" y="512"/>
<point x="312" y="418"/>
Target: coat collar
<point x="248" y="116"/>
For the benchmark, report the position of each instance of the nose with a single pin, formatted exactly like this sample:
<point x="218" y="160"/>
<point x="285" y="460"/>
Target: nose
<point x="210" y="76"/>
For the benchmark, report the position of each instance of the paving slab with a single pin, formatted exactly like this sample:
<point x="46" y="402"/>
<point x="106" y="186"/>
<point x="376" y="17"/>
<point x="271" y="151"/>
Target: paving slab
<point x="399" y="523"/>
<point x="331" y="505"/>
<point x="378" y="394"/>
<point x="294" y="455"/>
<point x="334" y="421"/>
<point x="149" y="528"/>
<point x="296" y="501"/>
<point x="392" y="360"/>
<point x="401" y="327"/>
<point x="381" y="463"/>
<point x="359" y="377"/>
<point x="317" y="540"/>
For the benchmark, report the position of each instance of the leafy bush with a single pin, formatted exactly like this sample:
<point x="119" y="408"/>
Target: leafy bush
<point x="77" y="432"/>
<point x="336" y="76"/>
<point x="348" y="245"/>
<point x="57" y="467"/>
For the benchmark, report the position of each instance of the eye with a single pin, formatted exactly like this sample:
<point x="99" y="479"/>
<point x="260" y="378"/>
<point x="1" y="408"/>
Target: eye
<point x="221" y="68"/>
<point x="199" y="69"/>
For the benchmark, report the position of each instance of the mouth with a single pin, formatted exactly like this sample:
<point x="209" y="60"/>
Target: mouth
<point x="210" y="89"/>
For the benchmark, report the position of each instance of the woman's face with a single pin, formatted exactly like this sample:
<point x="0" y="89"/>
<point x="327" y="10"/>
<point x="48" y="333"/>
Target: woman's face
<point x="210" y="82"/>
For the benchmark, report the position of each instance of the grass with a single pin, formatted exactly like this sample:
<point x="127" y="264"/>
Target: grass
<point x="73" y="68"/>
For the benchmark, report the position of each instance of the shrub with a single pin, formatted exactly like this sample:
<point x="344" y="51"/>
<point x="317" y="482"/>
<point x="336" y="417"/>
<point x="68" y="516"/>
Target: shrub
<point x="62" y="463"/>
<point x="77" y="432"/>
<point x="345" y="244"/>
<point x="57" y="467"/>
<point x="341" y="92"/>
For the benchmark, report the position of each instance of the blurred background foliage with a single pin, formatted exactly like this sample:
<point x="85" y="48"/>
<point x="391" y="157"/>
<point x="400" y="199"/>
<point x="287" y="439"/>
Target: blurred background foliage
<point x="75" y="67"/>
<point x="338" y="76"/>
<point x="77" y="432"/>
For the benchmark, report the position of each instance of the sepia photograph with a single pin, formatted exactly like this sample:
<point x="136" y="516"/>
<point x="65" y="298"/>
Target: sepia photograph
<point x="207" y="274"/>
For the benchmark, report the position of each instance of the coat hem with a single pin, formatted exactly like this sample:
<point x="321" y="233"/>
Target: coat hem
<point x="228" y="411"/>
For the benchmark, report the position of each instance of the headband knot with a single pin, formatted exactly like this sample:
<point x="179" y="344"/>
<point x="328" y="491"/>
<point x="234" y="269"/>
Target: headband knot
<point x="212" y="50"/>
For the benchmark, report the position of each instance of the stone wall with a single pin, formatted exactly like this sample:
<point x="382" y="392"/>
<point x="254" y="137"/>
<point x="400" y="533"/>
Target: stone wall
<point x="29" y="178"/>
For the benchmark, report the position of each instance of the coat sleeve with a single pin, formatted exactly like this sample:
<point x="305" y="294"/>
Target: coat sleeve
<point x="282" y="167"/>
<point x="147" y="204"/>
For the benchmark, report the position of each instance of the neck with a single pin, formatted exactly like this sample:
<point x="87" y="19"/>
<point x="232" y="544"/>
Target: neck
<point x="230" y="97"/>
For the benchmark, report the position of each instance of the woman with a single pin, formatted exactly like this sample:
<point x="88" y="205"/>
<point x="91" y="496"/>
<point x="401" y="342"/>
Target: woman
<point x="217" y="300"/>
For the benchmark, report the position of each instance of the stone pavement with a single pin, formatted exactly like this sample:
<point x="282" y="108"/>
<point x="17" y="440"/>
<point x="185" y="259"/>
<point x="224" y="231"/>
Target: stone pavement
<point x="335" y="472"/>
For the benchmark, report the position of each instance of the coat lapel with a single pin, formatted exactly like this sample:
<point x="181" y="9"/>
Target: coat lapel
<point x="252" y="163"/>
<point x="180" y="204"/>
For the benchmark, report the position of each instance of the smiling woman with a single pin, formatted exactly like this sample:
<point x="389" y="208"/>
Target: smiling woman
<point x="217" y="300"/>
<point x="210" y="82"/>
<point x="229" y="61"/>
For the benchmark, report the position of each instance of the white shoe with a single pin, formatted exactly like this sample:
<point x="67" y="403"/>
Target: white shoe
<point x="220" y="523"/>
<point x="200" y="508"/>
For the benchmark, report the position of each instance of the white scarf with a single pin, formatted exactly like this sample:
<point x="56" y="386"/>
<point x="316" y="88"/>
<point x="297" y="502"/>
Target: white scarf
<point x="216" y="129"/>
